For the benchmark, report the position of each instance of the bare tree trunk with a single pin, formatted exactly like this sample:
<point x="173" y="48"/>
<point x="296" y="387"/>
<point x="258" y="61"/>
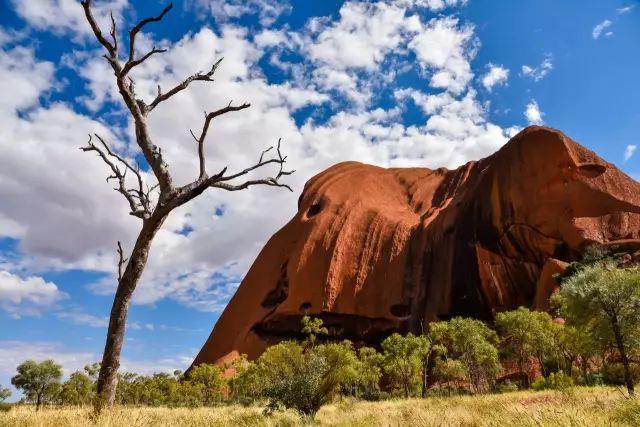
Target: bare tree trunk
<point x="140" y="201"/>
<point x="623" y="355"/>
<point x="425" y="373"/>
<point x="524" y="376"/>
<point x="108" y="377"/>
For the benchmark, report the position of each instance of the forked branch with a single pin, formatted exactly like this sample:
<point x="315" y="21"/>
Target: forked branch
<point x="205" y="128"/>
<point x="134" y="62"/>
<point x="136" y="29"/>
<point x="273" y="181"/>
<point x="111" y="48"/>
<point x="206" y="77"/>
<point x="138" y="198"/>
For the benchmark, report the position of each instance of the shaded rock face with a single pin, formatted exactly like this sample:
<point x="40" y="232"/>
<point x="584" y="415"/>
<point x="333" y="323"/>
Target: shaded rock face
<point x="372" y="250"/>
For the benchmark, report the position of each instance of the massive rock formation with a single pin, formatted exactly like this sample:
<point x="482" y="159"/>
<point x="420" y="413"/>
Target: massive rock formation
<point x="374" y="250"/>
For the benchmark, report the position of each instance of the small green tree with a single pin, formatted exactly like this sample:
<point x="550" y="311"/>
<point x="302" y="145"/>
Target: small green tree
<point x="312" y="327"/>
<point x="528" y="334"/>
<point x="447" y="371"/>
<point x="606" y="301"/>
<point x="5" y="393"/>
<point x="474" y="344"/>
<point x="342" y="367"/>
<point x="77" y="390"/>
<point x="369" y="372"/>
<point x="305" y="380"/>
<point x="576" y="346"/>
<point x="435" y="334"/>
<point x="403" y="361"/>
<point x="209" y="379"/>
<point x="40" y="382"/>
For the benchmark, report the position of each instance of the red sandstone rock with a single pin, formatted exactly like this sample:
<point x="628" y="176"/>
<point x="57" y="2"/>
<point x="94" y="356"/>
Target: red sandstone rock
<point x="374" y="250"/>
<point x="547" y="284"/>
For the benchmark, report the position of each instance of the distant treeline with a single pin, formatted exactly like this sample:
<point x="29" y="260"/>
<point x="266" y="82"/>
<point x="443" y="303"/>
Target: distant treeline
<point x="592" y="338"/>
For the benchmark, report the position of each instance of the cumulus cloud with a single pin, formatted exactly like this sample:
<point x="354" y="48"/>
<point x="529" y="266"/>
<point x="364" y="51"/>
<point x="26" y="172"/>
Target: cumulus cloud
<point x="629" y="151"/>
<point x="27" y="296"/>
<point x="42" y="170"/>
<point x="67" y="16"/>
<point x="533" y="114"/>
<point x="600" y="29"/>
<point x="496" y="75"/>
<point x="267" y="11"/>
<point x="445" y="48"/>
<point x="434" y="5"/>
<point x="79" y="317"/>
<point x="541" y="71"/>
<point x="361" y="37"/>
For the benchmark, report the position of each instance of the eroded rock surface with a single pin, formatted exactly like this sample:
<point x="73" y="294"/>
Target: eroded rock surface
<point x="374" y="250"/>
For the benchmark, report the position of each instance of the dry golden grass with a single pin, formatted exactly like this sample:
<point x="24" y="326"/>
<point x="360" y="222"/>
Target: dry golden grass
<point x="579" y="407"/>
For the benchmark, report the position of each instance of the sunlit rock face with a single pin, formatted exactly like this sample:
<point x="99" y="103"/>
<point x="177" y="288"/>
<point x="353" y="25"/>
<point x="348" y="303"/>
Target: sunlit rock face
<point x="372" y="250"/>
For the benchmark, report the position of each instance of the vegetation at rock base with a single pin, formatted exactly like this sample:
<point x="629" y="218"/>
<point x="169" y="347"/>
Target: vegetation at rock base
<point x="597" y="343"/>
<point x="605" y="302"/>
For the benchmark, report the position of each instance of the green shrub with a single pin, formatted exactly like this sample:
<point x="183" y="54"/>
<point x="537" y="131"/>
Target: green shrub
<point x="590" y="379"/>
<point x="507" y="386"/>
<point x="555" y="381"/>
<point x="613" y="373"/>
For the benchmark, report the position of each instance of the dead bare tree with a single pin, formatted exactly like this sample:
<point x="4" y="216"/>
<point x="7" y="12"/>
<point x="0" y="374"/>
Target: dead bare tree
<point x="153" y="212"/>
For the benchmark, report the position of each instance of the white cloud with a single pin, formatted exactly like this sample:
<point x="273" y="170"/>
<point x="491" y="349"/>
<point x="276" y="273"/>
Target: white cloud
<point x="533" y="114"/>
<point x="42" y="170"/>
<point x="12" y="353"/>
<point x="626" y="9"/>
<point x="27" y="296"/>
<point x="434" y="5"/>
<point x="363" y="35"/>
<point x="67" y="16"/>
<point x="496" y="76"/>
<point x="269" y="38"/>
<point x="268" y="11"/>
<point x="541" y="71"/>
<point x="629" y="151"/>
<point x="444" y="47"/>
<point x="599" y="29"/>
<point x="137" y="326"/>
<point x="23" y="77"/>
<point x="81" y="318"/>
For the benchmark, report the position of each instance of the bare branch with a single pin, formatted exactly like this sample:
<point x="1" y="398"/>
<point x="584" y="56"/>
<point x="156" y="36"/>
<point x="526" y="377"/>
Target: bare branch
<point x="220" y="181"/>
<point x="86" y="4"/>
<point x="265" y="181"/>
<point x="132" y="63"/>
<point x="205" y="128"/>
<point x="136" y="29"/>
<point x="126" y="88"/>
<point x="207" y="77"/>
<point x="138" y="199"/>
<point x="113" y="34"/>
<point x="121" y="260"/>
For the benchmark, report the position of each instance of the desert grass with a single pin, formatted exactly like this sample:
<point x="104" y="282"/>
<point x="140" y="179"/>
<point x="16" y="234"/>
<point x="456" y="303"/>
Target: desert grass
<point x="591" y="407"/>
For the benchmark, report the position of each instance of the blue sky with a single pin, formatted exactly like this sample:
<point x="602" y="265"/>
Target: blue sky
<point x="396" y="83"/>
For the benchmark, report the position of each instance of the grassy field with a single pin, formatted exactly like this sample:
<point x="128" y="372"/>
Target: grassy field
<point x="581" y="406"/>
